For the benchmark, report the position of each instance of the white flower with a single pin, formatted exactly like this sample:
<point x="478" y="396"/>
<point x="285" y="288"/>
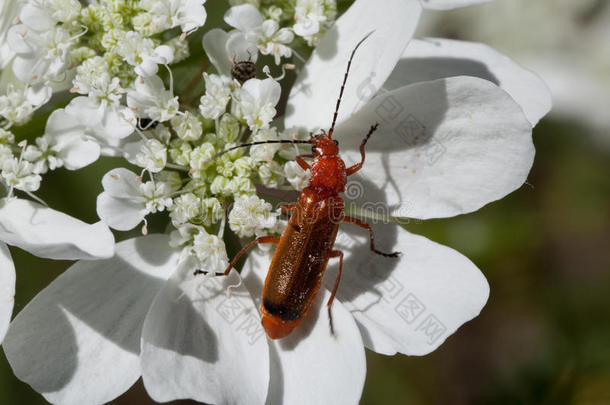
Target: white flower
<point x="40" y="56"/>
<point x="75" y="140"/>
<point x="217" y="94"/>
<point x="296" y="176"/>
<point x="157" y="195"/>
<point x="14" y="107"/>
<point x="308" y="15"/>
<point x="83" y="124"/>
<point x="162" y="55"/>
<point x="188" y="14"/>
<point x="126" y="200"/>
<point x="186" y="207"/>
<point x="201" y="156"/>
<point x="312" y="17"/>
<point x="20" y="174"/>
<point x="106" y="91"/>
<point x="150" y="99"/>
<point x="101" y="119"/>
<point x="88" y="74"/>
<point x="256" y="101"/>
<point x="18" y="104"/>
<point x="222" y="186"/>
<point x="203" y="250"/>
<point x="179" y="48"/>
<point x="242" y="167"/>
<point x="43" y="155"/>
<point x="274" y="39"/>
<point x="210" y="251"/>
<point x="241" y="185"/>
<point x="138" y="51"/>
<point x="251" y="214"/>
<point x="150" y="154"/>
<point x="187" y="127"/>
<point x="266" y="34"/>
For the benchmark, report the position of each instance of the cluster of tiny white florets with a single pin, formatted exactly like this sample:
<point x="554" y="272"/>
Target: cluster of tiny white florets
<point x="307" y="19"/>
<point x="116" y="57"/>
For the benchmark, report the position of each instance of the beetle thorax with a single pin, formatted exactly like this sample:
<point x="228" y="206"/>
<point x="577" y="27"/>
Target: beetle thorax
<point x="328" y="172"/>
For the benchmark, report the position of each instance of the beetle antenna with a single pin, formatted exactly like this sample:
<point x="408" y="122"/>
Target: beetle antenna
<point x="349" y="64"/>
<point x="245" y="145"/>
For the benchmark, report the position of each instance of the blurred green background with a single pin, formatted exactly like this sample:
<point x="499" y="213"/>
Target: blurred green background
<point x="544" y="335"/>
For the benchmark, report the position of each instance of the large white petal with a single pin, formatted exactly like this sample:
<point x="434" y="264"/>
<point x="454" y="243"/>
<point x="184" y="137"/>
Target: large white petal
<point x="312" y="99"/>
<point x="36" y="18"/>
<point x="436" y="58"/>
<point x="86" y="111"/>
<point x="39" y="94"/>
<point x="443" y="148"/>
<point x="62" y="123"/>
<point x="77" y="152"/>
<point x="78" y="341"/>
<point x="45" y="232"/>
<point x="7" y="288"/>
<point x="198" y="343"/>
<point x="118" y="123"/>
<point x="409" y="304"/>
<point x="122" y="183"/>
<point x="244" y="17"/>
<point x="119" y="213"/>
<point x="311" y="366"/>
<point x="449" y="4"/>
<point x="15" y="37"/>
<point x="215" y="46"/>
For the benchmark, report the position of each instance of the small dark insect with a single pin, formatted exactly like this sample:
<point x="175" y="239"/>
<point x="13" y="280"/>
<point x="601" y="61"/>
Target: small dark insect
<point x="243" y="71"/>
<point x="306" y="245"/>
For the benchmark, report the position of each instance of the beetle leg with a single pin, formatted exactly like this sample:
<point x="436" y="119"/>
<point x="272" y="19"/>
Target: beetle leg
<point x="262" y="239"/>
<point x="353" y="169"/>
<point x="362" y="224"/>
<point x="304" y="165"/>
<point x="339" y="254"/>
<point x="287" y="209"/>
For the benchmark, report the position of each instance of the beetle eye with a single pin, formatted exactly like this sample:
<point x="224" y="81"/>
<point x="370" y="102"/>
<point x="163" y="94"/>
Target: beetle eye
<point x="336" y="142"/>
<point x="313" y="149"/>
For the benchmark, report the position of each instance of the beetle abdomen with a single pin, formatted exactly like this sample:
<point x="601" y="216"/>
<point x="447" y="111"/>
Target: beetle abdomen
<point x="299" y="261"/>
